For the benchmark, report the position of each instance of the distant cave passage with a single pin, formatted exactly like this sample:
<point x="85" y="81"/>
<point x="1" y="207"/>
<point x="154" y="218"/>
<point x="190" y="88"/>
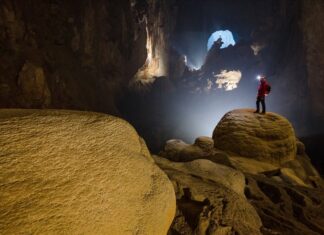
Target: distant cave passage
<point x="225" y="35"/>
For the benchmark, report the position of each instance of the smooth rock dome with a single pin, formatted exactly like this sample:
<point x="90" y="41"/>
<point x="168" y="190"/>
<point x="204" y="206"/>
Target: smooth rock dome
<point x="269" y="138"/>
<point x="64" y="172"/>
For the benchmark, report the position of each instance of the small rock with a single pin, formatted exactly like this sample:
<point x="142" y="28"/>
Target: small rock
<point x="205" y="142"/>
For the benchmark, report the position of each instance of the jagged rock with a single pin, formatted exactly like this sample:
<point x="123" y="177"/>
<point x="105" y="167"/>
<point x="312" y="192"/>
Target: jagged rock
<point x="285" y="208"/>
<point x="269" y="138"/>
<point x="79" y="173"/>
<point x="206" y="201"/>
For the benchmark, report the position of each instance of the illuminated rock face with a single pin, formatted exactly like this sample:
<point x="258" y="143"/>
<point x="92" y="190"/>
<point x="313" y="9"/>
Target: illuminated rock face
<point x="79" y="173"/>
<point x="269" y="138"/>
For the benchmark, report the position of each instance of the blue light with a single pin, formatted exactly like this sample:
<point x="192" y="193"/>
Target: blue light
<point x="225" y="35"/>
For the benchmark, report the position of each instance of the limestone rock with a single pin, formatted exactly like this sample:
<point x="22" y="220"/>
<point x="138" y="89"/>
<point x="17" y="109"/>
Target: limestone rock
<point x="300" y="147"/>
<point x="290" y="176"/>
<point x="206" y="169"/>
<point x="205" y="203"/>
<point x="285" y="208"/>
<point x="269" y="138"/>
<point x="78" y="173"/>
<point x="33" y="85"/>
<point x="304" y="170"/>
<point x="251" y="166"/>
<point x="205" y="142"/>
<point x="179" y="151"/>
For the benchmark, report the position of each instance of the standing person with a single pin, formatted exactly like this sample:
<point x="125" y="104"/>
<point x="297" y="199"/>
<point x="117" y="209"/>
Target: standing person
<point x="262" y="92"/>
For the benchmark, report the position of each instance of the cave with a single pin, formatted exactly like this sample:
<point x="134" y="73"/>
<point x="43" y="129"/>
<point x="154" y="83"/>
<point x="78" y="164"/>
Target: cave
<point x="177" y="72"/>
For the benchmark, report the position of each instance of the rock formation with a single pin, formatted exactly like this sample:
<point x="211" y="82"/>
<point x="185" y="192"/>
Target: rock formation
<point x="267" y="138"/>
<point x="79" y="173"/>
<point x="209" y="199"/>
<point x="279" y="180"/>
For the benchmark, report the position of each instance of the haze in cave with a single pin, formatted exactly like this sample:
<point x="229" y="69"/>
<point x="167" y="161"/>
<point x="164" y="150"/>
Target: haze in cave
<point x="140" y="117"/>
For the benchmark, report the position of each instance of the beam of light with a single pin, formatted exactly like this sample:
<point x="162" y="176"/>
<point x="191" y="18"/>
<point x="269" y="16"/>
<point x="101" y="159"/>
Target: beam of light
<point x="228" y="79"/>
<point x="225" y="35"/>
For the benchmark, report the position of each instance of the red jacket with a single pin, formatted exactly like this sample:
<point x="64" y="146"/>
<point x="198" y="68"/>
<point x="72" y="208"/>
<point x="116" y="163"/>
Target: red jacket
<point x="262" y="91"/>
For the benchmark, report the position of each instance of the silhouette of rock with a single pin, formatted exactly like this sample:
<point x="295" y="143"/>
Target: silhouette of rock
<point x="79" y="173"/>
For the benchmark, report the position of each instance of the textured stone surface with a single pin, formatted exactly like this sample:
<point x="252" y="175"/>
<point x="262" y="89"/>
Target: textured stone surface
<point x="87" y="51"/>
<point x="285" y="208"/>
<point x="313" y="35"/>
<point x="179" y="151"/>
<point x="229" y="177"/>
<point x="251" y="166"/>
<point x="204" y="142"/>
<point x="206" y="204"/>
<point x="269" y="138"/>
<point x="64" y="172"/>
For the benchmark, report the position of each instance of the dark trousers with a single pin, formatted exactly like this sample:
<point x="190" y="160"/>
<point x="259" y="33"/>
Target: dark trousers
<point x="262" y="101"/>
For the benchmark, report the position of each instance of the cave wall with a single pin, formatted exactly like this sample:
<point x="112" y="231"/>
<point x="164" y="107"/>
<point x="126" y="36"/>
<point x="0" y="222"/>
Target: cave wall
<point x="313" y="28"/>
<point x="158" y="19"/>
<point x="84" y="54"/>
<point x="287" y="56"/>
<point x="68" y="54"/>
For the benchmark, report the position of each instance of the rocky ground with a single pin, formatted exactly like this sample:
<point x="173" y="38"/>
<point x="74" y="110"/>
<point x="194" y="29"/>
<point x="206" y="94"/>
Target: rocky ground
<point x="252" y="177"/>
<point x="88" y="173"/>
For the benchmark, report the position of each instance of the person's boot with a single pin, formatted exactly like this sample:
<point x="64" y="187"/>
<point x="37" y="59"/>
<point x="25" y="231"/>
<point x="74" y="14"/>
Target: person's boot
<point x="263" y="112"/>
<point x="256" y="111"/>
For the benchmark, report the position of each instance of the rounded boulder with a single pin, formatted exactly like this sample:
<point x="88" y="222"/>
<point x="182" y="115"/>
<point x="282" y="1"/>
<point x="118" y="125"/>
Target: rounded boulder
<point x="265" y="137"/>
<point x="65" y="172"/>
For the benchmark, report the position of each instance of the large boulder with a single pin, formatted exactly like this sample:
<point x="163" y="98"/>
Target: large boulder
<point x="269" y="138"/>
<point x="79" y="173"/>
